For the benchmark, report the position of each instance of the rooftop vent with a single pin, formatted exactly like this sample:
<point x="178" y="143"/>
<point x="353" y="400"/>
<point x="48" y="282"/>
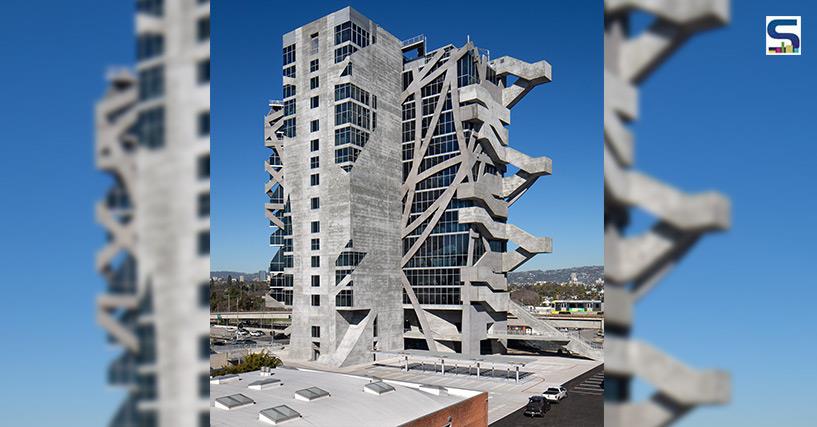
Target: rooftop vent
<point x="377" y="388"/>
<point x="266" y="371"/>
<point x="433" y="389"/>
<point x="264" y="384"/>
<point x="278" y="415"/>
<point x="234" y="401"/>
<point x="311" y="393"/>
<point x="224" y="379"/>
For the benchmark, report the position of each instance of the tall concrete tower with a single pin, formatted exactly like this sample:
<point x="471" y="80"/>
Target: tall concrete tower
<point x="153" y="138"/>
<point x="334" y="189"/>
<point x="455" y="112"/>
<point x="388" y="191"/>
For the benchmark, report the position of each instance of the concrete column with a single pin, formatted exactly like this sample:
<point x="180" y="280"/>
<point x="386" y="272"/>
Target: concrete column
<point x="477" y="370"/>
<point x="517" y="374"/>
<point x="442" y="364"/>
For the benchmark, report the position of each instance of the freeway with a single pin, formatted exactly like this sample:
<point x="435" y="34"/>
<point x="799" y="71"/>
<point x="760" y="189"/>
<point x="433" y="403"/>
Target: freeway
<point x="251" y="315"/>
<point x="559" y="321"/>
<point x="566" y="321"/>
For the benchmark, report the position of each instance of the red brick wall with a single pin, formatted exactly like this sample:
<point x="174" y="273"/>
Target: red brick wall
<point x="472" y="412"/>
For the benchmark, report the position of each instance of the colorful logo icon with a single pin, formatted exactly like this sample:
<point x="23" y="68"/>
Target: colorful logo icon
<point x="783" y="35"/>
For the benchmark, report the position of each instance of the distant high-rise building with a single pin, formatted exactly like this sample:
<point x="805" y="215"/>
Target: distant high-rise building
<point x="389" y="191"/>
<point x="153" y="137"/>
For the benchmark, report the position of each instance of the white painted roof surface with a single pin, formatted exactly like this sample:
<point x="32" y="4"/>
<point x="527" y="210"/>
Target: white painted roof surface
<point x="347" y="404"/>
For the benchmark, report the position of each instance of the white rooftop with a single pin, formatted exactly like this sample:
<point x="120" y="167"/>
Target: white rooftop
<point x="348" y="403"/>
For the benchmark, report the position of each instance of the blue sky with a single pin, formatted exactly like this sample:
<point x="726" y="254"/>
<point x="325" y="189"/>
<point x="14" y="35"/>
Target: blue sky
<point x="561" y="120"/>
<point x="722" y="115"/>
<point x="53" y="354"/>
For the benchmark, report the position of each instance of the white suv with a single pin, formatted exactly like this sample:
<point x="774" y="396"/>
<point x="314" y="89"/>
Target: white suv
<point x="555" y="394"/>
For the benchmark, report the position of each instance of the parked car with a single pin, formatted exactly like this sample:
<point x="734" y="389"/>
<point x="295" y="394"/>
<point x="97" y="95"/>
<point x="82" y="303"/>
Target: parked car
<point x="245" y="342"/>
<point x="537" y="406"/>
<point x="555" y="394"/>
<point x="242" y="333"/>
<point x="256" y="334"/>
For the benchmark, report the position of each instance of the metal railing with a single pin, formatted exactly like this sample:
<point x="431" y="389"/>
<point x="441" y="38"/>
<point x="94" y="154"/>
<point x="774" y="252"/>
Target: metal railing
<point x="578" y="336"/>
<point x="413" y="40"/>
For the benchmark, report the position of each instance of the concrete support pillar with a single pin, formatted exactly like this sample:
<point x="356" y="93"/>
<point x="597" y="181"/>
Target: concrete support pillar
<point x="406" y="360"/>
<point x="442" y="365"/>
<point x="517" y="374"/>
<point x="477" y="370"/>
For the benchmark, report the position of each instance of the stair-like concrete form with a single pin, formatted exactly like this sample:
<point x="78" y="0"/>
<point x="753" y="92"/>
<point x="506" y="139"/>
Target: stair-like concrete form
<point x="684" y="385"/>
<point x="634" y="264"/>
<point x="542" y="327"/>
<point x="528" y="77"/>
<point x="528" y="244"/>
<point x="481" y="115"/>
<point x="115" y="116"/>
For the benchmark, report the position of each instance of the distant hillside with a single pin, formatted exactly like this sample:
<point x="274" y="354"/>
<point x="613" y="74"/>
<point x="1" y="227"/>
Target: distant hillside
<point x="586" y="274"/>
<point x="235" y="274"/>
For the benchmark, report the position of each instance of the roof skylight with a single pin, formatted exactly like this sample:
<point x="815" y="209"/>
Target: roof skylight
<point x="278" y="415"/>
<point x="233" y="401"/>
<point x="311" y="393"/>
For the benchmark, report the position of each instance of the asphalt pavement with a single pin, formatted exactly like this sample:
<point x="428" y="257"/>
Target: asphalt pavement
<point x="583" y="407"/>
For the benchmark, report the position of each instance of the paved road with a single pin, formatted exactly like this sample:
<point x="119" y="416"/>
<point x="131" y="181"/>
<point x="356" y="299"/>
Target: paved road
<point x="583" y="407"/>
<point x="230" y="346"/>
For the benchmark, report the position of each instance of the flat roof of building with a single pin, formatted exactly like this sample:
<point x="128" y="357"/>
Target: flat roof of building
<point x="349" y="400"/>
<point x="484" y="358"/>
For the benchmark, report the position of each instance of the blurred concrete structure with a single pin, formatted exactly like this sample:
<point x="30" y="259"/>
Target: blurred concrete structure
<point x="152" y="136"/>
<point x="634" y="264"/>
<point x="372" y="259"/>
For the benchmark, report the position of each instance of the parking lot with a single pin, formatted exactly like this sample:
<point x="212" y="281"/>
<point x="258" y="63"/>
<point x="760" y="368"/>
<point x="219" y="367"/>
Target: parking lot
<point x="584" y="405"/>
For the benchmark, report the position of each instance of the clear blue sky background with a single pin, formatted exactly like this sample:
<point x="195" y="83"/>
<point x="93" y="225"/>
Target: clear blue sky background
<point x="53" y="356"/>
<point x="720" y="114"/>
<point x="561" y="120"/>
